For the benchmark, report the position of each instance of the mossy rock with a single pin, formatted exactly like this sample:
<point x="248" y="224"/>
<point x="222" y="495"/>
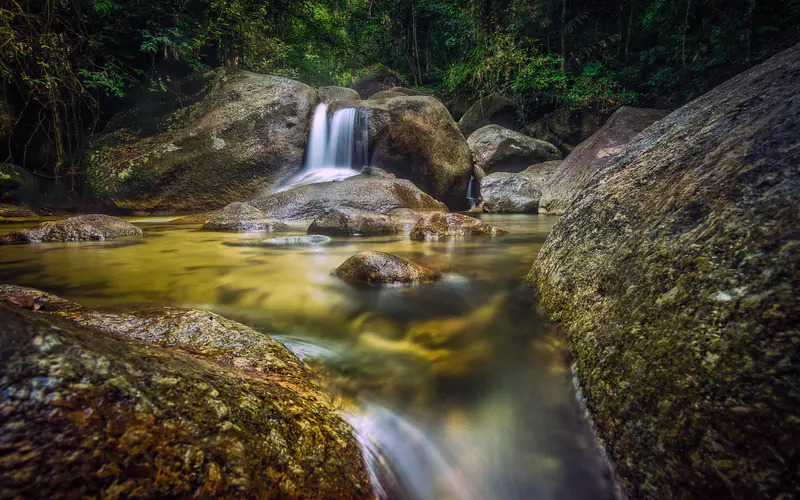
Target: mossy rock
<point x="92" y="227"/>
<point x="435" y="226"/>
<point x="675" y="273"/>
<point x="379" y="268"/>
<point x="161" y="403"/>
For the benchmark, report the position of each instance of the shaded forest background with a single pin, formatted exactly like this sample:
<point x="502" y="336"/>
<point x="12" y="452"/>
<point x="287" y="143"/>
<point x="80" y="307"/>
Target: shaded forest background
<point x="68" y="65"/>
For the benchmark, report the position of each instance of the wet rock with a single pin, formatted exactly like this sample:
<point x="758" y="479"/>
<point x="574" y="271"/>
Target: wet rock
<point x="395" y="92"/>
<point x="161" y="403"/>
<point x="405" y="219"/>
<point x="577" y="172"/>
<point x="378" y="268"/>
<point x="298" y="241"/>
<point x="498" y="149"/>
<point x="540" y="173"/>
<point x="493" y="109"/>
<point x="509" y="193"/>
<point x="369" y="193"/>
<point x="93" y="227"/>
<point x="439" y="226"/>
<point x="329" y="95"/>
<point x="566" y="128"/>
<point x="676" y="279"/>
<point x="348" y="222"/>
<point x="376" y="78"/>
<point x="242" y="218"/>
<point x="207" y="151"/>
<point x="416" y="139"/>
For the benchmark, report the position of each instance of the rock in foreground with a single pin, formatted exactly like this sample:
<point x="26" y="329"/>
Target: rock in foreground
<point x="220" y="411"/>
<point x="507" y="193"/>
<point x="378" y="268"/>
<point x="347" y="222"/>
<point x="239" y="133"/>
<point x="498" y="149"/>
<point x="369" y="193"/>
<point x="242" y="218"/>
<point x="440" y="226"/>
<point x="93" y="227"/>
<point x="677" y="280"/>
<point x="576" y="172"/>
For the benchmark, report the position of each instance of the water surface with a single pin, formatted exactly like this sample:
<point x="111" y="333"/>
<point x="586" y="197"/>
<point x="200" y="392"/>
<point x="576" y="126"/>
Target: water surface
<point x="456" y="389"/>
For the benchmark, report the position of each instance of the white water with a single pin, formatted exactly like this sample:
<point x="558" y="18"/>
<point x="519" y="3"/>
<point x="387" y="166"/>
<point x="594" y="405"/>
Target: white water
<point x="337" y="148"/>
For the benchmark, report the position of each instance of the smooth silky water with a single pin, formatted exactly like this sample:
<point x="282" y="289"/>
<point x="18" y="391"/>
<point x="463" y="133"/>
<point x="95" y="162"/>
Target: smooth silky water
<point x="455" y="389"/>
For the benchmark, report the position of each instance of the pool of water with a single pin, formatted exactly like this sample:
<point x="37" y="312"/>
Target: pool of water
<point x="456" y="389"/>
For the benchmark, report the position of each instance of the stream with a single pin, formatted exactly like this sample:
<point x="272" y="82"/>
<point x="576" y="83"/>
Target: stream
<point x="456" y="390"/>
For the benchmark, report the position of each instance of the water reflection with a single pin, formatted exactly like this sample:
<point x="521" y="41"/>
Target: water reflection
<point x="456" y="389"/>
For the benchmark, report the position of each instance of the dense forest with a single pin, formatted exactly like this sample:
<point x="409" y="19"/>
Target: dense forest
<point x="68" y="65"/>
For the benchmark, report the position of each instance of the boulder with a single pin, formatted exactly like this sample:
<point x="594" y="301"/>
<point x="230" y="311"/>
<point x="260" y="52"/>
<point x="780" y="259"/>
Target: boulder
<point x="244" y="132"/>
<point x="329" y="95"/>
<point x="493" y="109"/>
<point x="161" y="403"/>
<point x="676" y="279"/>
<point x="378" y="268"/>
<point x="438" y="226"/>
<point x="93" y="227"/>
<point x="242" y="218"/>
<point x="459" y="105"/>
<point x="416" y="139"/>
<point x="498" y="149"/>
<point x="540" y="173"/>
<point x="376" y="78"/>
<point x="348" y="222"/>
<point x="369" y="193"/>
<point x="395" y="92"/>
<point x="566" y="128"/>
<point x="576" y="172"/>
<point x="507" y="193"/>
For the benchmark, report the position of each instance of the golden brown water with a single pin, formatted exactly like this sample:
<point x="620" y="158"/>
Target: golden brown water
<point x="460" y="390"/>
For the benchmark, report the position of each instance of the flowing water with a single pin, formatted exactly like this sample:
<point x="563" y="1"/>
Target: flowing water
<point x="455" y="389"/>
<point x="337" y="148"/>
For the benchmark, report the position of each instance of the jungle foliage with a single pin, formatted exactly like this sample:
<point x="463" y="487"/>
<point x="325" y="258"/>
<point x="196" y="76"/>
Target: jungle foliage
<point x="66" y="65"/>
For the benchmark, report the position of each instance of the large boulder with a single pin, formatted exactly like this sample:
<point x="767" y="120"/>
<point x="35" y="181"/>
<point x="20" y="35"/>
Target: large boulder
<point x="379" y="268"/>
<point x="93" y="227"/>
<point x="575" y="174"/>
<point x="370" y="193"/>
<point x="395" y="92"/>
<point x="348" y="222"/>
<point x="676" y="277"/>
<point x="541" y="173"/>
<point x="416" y="139"/>
<point x="160" y="403"/>
<point x="240" y="217"/>
<point x="498" y="149"/>
<point x="244" y="133"/>
<point x="566" y="128"/>
<point x="509" y="193"/>
<point x="494" y="109"/>
<point x="376" y="78"/>
<point x="439" y="226"/>
<point x="330" y="95"/>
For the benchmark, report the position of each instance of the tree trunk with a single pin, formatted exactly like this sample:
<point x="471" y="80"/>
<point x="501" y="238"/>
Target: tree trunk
<point x="630" y="29"/>
<point x="564" y="38"/>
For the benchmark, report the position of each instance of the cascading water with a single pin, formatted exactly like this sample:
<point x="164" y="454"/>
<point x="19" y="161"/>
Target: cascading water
<point x="337" y="147"/>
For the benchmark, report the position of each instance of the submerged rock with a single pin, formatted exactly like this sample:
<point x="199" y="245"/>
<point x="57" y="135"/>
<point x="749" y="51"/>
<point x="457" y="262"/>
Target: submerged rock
<point x="494" y="109"/>
<point x="370" y="193"/>
<point x="161" y="403"/>
<point x="415" y="138"/>
<point x="93" y="227"/>
<point x="242" y="218"/>
<point x="371" y="268"/>
<point x="676" y="277"/>
<point x="498" y="149"/>
<point x="348" y="222"/>
<point x="509" y="193"/>
<point x="577" y="172"/>
<point x="239" y="133"/>
<point x="309" y="240"/>
<point x="439" y="226"/>
<point x="330" y="95"/>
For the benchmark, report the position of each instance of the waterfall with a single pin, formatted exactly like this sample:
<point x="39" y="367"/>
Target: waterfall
<point x="338" y="147"/>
